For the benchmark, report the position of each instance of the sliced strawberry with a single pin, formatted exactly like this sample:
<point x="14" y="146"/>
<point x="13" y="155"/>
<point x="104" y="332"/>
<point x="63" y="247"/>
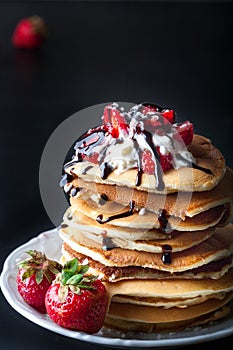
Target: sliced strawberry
<point x="148" y="165"/>
<point x="168" y="114"/>
<point x="160" y="121"/>
<point x="185" y="131"/>
<point x="151" y="124"/>
<point x="150" y="108"/>
<point x="165" y="161"/>
<point x="115" y="120"/>
<point x="93" y="158"/>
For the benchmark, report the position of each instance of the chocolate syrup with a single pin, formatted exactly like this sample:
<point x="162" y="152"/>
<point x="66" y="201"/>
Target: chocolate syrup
<point x="139" y="177"/>
<point x="163" y="221"/>
<point x="195" y="166"/>
<point x="86" y="143"/>
<point x="74" y="191"/>
<point x="166" y="228"/>
<point x="103" y="199"/>
<point x="158" y="170"/>
<point x="139" y="163"/>
<point x="63" y="226"/>
<point x="117" y="216"/>
<point x="69" y="217"/>
<point x="66" y="178"/>
<point x="106" y="169"/>
<point x="207" y="171"/>
<point x="167" y="254"/>
<point x="107" y="242"/>
<point x="89" y="167"/>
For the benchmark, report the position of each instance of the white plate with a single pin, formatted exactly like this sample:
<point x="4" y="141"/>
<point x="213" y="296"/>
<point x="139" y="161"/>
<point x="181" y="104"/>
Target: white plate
<point x="50" y="243"/>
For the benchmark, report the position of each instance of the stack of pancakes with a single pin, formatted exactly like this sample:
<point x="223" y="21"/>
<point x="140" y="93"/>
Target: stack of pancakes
<point x="165" y="256"/>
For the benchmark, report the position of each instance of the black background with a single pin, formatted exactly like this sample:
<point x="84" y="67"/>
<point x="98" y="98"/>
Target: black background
<point x="177" y="54"/>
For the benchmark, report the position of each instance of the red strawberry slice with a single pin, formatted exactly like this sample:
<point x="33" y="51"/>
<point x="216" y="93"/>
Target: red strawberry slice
<point x="185" y="131"/>
<point x="165" y="161"/>
<point x="168" y="114"/>
<point x="93" y="158"/>
<point x="148" y="165"/>
<point x="150" y="108"/>
<point x="152" y="124"/>
<point x="115" y="120"/>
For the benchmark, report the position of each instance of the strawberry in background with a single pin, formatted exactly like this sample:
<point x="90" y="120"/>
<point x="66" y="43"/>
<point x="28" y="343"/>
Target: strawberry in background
<point x="29" y="33"/>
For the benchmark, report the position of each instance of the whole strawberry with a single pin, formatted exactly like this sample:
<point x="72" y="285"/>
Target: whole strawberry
<point x="77" y="301"/>
<point x="34" y="277"/>
<point x="29" y="33"/>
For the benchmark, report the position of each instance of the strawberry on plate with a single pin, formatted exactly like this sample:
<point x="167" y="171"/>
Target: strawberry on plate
<point x="29" y="33"/>
<point x="76" y="300"/>
<point x="34" y="277"/>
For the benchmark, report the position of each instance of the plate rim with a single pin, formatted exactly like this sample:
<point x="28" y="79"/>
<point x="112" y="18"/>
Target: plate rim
<point x="25" y="310"/>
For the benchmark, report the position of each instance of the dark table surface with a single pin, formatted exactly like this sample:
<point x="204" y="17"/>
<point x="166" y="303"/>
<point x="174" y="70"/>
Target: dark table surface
<point x="175" y="54"/>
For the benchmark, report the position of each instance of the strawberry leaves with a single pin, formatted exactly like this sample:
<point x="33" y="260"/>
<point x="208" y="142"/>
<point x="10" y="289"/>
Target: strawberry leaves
<point x="73" y="276"/>
<point x="39" y="266"/>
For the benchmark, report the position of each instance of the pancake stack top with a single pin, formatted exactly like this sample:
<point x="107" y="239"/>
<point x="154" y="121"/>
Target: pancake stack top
<point x="150" y="212"/>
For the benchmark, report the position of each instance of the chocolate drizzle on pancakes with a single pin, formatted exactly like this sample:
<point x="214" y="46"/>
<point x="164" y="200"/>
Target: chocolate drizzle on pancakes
<point x="156" y="227"/>
<point x="117" y="216"/>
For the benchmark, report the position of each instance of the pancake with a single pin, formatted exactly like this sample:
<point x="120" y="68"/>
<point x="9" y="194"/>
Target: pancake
<point x="147" y="314"/>
<point x="166" y="303"/>
<point x="171" y="289"/>
<point x="218" y="246"/>
<point x="77" y="220"/>
<point x="179" y="205"/>
<point x="123" y="325"/>
<point x="178" y="242"/>
<point x="227" y="216"/>
<point x="149" y="219"/>
<point x="183" y="179"/>
<point x="214" y="269"/>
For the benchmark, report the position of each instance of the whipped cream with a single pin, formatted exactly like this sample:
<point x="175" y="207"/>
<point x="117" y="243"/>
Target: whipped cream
<point x="123" y="155"/>
<point x="120" y="142"/>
